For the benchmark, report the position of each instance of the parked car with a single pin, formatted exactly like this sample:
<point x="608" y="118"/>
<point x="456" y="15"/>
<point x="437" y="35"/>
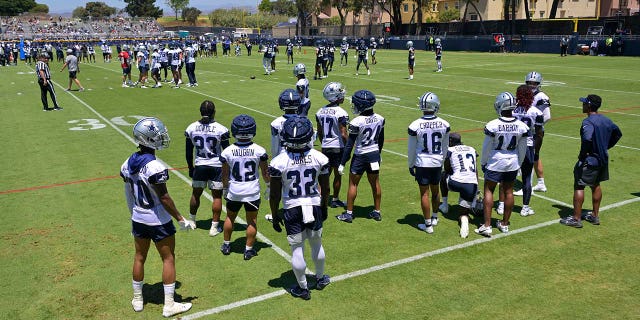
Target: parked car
<point x="595" y="30"/>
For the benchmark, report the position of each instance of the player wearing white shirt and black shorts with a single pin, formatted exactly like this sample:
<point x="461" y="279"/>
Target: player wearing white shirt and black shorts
<point x="332" y="123"/>
<point x="240" y="164"/>
<point x="208" y="138"/>
<point x="428" y="138"/>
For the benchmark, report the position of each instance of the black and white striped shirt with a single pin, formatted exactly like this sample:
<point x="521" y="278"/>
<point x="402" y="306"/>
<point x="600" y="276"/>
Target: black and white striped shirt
<point x="41" y="65"/>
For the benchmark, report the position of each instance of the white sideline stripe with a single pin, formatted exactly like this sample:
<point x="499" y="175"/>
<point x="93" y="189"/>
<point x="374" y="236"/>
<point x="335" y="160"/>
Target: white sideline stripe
<point x="620" y="204"/>
<point x="259" y="235"/>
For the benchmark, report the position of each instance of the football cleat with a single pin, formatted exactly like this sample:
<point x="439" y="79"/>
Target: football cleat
<point x="248" y="254"/>
<point x="322" y="282"/>
<point x="175" y="308"/>
<point x="501" y="227"/>
<point x="428" y="228"/>
<point x="464" y="226"/>
<point x="375" y="215"/>
<point x="152" y="133"/>
<point x="214" y="231"/>
<point x="591" y="219"/>
<point x="137" y="303"/>
<point x="444" y="207"/>
<point x="298" y="292"/>
<point x="225" y="249"/>
<point x="434" y="219"/>
<point x="526" y="211"/>
<point x="337" y="203"/>
<point x="570" y="221"/>
<point x="518" y="193"/>
<point x="540" y="187"/>
<point x="484" y="231"/>
<point x="500" y="208"/>
<point x="346" y="217"/>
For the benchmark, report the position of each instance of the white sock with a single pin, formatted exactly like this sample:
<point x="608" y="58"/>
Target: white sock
<point x="137" y="288"/>
<point x="540" y="180"/>
<point x="299" y="265"/>
<point x="169" y="290"/>
<point x="427" y="222"/>
<point x="246" y="248"/>
<point x="214" y="224"/>
<point x="434" y="214"/>
<point x="501" y="204"/>
<point x="193" y="217"/>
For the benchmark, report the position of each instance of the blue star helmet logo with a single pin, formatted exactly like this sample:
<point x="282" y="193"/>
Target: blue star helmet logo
<point x="152" y="127"/>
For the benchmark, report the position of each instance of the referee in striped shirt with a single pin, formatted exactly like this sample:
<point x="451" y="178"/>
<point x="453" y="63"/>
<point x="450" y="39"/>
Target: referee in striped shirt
<point x="44" y="80"/>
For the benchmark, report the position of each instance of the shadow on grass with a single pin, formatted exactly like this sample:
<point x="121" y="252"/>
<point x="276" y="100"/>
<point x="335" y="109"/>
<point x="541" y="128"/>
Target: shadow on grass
<point x="412" y="220"/>
<point x="154" y="293"/>
<point x="205" y="224"/>
<point x="564" y="211"/>
<point x="287" y="280"/>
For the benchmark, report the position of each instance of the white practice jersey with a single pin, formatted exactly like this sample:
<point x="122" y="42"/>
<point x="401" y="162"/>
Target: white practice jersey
<point x="532" y="118"/>
<point x="189" y="55"/>
<point x="206" y="139"/>
<point x="504" y="145"/>
<point x="143" y="58"/>
<point x="368" y="129"/>
<point x="542" y="102"/>
<point x="299" y="173"/>
<point x="164" y="55"/>
<point x="428" y="140"/>
<point x="174" y="56"/>
<point x="244" y="165"/>
<point x="155" y="60"/>
<point x="303" y="85"/>
<point x="463" y="160"/>
<point x="276" y="128"/>
<point x="330" y="118"/>
<point x="139" y="172"/>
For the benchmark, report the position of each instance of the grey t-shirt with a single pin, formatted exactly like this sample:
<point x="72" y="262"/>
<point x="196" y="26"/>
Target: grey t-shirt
<point x="72" y="62"/>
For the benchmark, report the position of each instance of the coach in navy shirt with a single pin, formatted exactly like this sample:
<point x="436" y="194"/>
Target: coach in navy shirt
<point x="598" y="134"/>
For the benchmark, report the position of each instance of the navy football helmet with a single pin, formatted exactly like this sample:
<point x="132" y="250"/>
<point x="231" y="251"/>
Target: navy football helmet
<point x="243" y="127"/>
<point x="289" y="100"/>
<point x="297" y="133"/>
<point x="362" y="100"/>
<point x="152" y="133"/>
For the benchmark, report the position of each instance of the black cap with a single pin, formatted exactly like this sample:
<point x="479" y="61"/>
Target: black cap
<point x="593" y="100"/>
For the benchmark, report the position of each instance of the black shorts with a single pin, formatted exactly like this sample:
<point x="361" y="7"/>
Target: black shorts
<point x="362" y="162"/>
<point x="426" y="176"/>
<point x="495" y="176"/>
<point x="334" y="155"/>
<point x="293" y="220"/>
<point x="467" y="190"/>
<point x="235" y="206"/>
<point x="155" y="233"/>
<point x="585" y="174"/>
<point x="73" y="74"/>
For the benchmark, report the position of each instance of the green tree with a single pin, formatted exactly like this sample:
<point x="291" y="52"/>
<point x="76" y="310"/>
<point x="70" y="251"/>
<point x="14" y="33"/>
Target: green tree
<point x="449" y="15"/>
<point x="284" y="7"/>
<point x="343" y="7"/>
<point x="265" y="7"/>
<point x="99" y="9"/>
<point x="394" y="9"/>
<point x="40" y="9"/>
<point x="142" y="8"/>
<point x="15" y="7"/>
<point x="305" y="8"/>
<point x="80" y="13"/>
<point x="177" y="5"/>
<point x="191" y="14"/>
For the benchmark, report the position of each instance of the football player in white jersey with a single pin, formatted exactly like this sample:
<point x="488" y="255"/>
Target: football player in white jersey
<point x="155" y="68"/>
<point x="240" y="164"/>
<point x="428" y="138"/>
<point x="302" y="85"/>
<point x="332" y="123"/>
<point x="190" y="64"/>
<point x="207" y="138"/>
<point x="461" y="175"/>
<point x="533" y="118"/>
<point x="344" y="51"/>
<point x="143" y="66"/>
<point x="151" y="207"/>
<point x="366" y="134"/>
<point x="542" y="102"/>
<point x="300" y="176"/>
<point x="503" y="151"/>
<point x="175" y="58"/>
<point x="289" y="101"/>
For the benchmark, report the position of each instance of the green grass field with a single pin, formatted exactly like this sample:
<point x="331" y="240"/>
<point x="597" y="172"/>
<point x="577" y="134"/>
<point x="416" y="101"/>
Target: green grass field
<point x="66" y="248"/>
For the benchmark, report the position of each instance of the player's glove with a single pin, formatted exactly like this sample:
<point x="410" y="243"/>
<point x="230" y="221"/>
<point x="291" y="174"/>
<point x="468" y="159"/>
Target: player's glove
<point x="341" y="169"/>
<point x="191" y="172"/>
<point x="267" y="191"/>
<point x="277" y="223"/>
<point x="412" y="171"/>
<point x="187" y="224"/>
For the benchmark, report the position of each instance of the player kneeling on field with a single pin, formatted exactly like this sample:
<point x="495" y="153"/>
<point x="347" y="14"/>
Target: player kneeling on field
<point x="461" y="175"/>
<point x="296" y="174"/>
<point x="240" y="163"/>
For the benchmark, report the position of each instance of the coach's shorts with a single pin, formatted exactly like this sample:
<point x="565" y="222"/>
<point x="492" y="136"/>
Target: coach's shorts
<point x="369" y="162"/>
<point x="509" y="176"/>
<point x="126" y="71"/>
<point x="73" y="74"/>
<point x="235" y="206"/>
<point x="588" y="173"/>
<point x="426" y="176"/>
<point x="334" y="155"/>
<point x="143" y="69"/>
<point x="155" y="233"/>
<point x="207" y="175"/>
